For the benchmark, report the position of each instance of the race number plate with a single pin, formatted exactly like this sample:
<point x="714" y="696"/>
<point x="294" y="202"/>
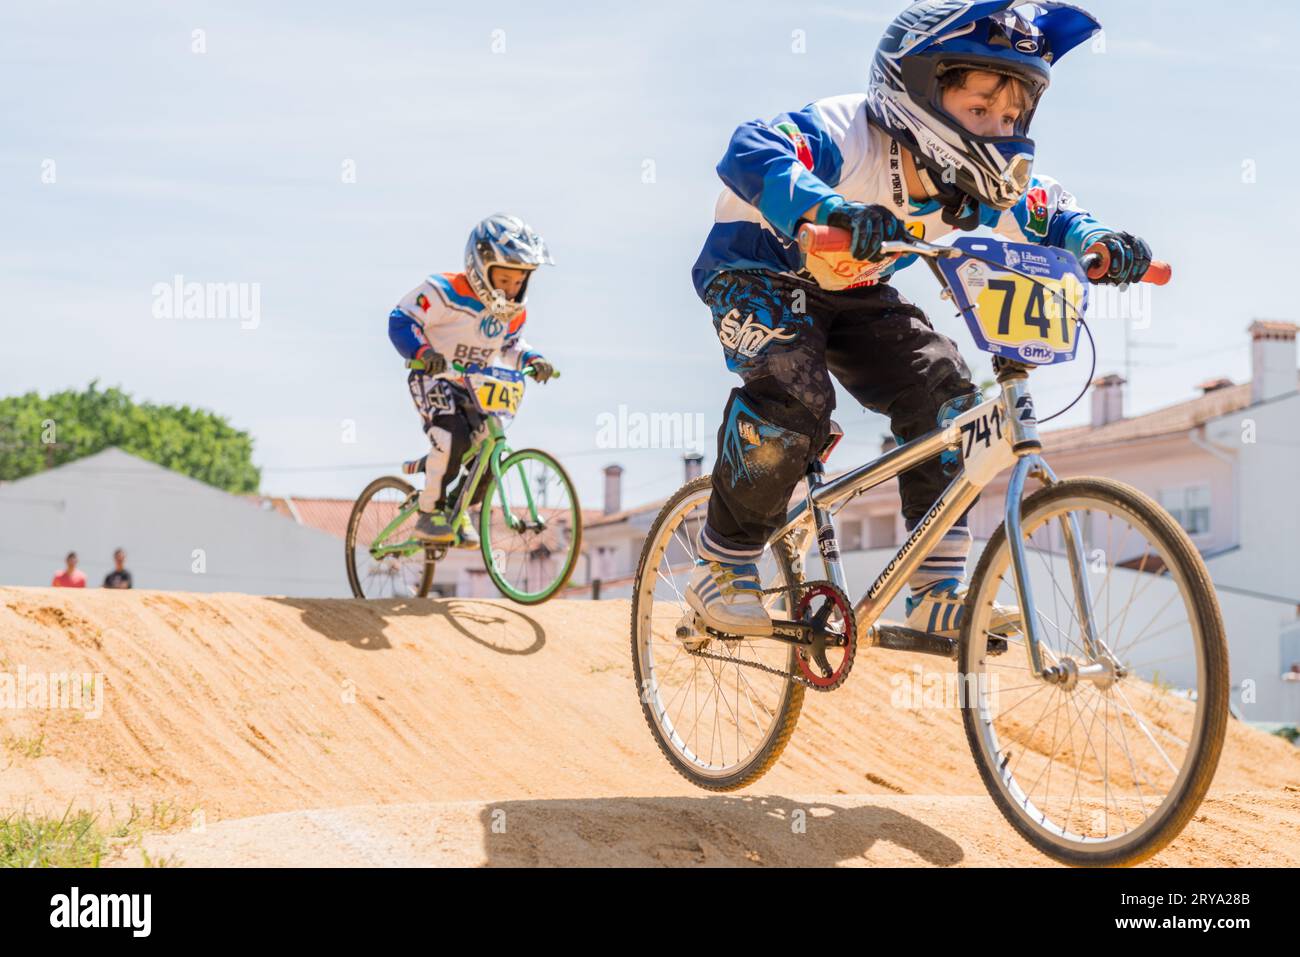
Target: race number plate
<point x="497" y="396"/>
<point x="1033" y="320"/>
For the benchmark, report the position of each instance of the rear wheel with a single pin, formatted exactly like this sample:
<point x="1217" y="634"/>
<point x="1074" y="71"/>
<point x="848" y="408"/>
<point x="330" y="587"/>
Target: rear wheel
<point x="1105" y="762"/>
<point x="720" y="724"/>
<point x="375" y="572"/>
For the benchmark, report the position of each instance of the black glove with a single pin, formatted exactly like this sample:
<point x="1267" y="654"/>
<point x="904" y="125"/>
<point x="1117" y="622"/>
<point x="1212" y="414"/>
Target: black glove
<point x="435" y="363"/>
<point x="1129" y="258"/>
<point x="870" y="225"/>
<point x="542" y="370"/>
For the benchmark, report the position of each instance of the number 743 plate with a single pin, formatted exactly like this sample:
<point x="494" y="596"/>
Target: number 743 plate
<point x="1033" y="320"/>
<point x="497" y="396"/>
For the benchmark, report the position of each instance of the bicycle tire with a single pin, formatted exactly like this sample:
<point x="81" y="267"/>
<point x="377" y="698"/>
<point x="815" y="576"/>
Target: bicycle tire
<point x="485" y="531"/>
<point x="791" y="702"/>
<point x="1177" y="809"/>
<point x="350" y="540"/>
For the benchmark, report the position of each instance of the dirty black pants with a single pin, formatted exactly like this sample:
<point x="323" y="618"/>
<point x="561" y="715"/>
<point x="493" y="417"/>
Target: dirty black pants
<point x="785" y="339"/>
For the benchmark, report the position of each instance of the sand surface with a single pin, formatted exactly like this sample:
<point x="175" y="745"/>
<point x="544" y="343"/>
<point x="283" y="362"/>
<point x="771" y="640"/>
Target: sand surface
<point x="276" y="731"/>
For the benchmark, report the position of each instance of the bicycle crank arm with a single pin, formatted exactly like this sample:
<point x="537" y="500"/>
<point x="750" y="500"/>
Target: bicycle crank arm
<point x="408" y="547"/>
<point x="791" y="632"/>
<point x="898" y="638"/>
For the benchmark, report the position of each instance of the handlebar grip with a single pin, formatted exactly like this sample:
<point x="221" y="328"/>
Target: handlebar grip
<point x="1158" y="273"/>
<point x="823" y="239"/>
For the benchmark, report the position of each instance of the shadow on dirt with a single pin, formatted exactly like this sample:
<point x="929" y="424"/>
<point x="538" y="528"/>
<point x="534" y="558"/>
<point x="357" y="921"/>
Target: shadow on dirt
<point x="363" y="624"/>
<point x="714" y="831"/>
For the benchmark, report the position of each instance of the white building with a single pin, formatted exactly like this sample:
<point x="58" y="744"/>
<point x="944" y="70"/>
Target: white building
<point x="179" y="534"/>
<point x="1225" y="464"/>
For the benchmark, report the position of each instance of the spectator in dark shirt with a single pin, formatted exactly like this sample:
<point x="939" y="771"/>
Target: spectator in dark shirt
<point x="119" y="577"/>
<point x="70" y="577"/>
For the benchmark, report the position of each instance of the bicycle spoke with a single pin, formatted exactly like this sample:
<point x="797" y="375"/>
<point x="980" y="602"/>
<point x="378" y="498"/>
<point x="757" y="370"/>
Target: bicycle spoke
<point x="1095" y="758"/>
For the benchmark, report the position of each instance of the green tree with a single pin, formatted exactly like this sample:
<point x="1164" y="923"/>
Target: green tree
<point x="38" y="433"/>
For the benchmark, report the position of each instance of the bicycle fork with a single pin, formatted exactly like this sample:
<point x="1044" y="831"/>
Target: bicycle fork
<point x="1101" y="668"/>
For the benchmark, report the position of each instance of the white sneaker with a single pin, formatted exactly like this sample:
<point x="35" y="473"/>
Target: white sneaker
<point x="941" y="608"/>
<point x="727" y="598"/>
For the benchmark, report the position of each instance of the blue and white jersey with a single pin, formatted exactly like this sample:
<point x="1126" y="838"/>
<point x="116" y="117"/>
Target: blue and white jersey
<point x="775" y="172"/>
<point x="443" y="313"/>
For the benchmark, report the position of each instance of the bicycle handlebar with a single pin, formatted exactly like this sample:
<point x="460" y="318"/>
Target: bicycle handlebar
<point x="832" y="239"/>
<point x="472" y="368"/>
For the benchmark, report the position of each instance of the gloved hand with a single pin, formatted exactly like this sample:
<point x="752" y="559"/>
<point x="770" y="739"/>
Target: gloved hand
<point x="435" y="363"/>
<point x="542" y="370"/>
<point x="870" y="225"/>
<point x="1129" y="257"/>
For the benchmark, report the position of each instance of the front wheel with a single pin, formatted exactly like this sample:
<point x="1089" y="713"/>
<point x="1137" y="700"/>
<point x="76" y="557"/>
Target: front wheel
<point x="1104" y="760"/>
<point x="530" y="527"/>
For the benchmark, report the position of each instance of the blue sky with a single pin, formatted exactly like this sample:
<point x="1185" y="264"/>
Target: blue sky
<point x="226" y="166"/>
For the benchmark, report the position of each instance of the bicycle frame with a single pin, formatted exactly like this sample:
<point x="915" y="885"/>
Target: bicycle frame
<point x="490" y="452"/>
<point x="998" y="434"/>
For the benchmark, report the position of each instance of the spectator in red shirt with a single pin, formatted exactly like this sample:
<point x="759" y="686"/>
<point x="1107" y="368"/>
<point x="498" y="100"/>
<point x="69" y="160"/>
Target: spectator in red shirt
<point x="70" y="577"/>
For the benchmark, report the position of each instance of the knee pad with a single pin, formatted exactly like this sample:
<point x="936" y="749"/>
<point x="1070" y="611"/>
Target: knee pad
<point x="755" y="453"/>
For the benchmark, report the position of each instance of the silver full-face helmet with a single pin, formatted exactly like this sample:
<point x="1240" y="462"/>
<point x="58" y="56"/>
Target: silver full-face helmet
<point x="502" y="241"/>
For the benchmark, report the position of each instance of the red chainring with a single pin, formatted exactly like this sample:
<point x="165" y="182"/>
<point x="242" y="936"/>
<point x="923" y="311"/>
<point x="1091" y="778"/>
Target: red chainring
<point x="811" y="671"/>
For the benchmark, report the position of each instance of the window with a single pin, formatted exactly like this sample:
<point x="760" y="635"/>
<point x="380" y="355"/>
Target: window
<point x="880" y="531"/>
<point x="851" y="535"/>
<point x="1190" y="507"/>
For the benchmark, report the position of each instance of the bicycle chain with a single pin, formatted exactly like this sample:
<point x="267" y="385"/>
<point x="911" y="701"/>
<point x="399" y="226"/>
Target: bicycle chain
<point x="759" y="666"/>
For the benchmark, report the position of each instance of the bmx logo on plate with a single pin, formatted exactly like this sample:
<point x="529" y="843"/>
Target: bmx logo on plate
<point x="1037" y="352"/>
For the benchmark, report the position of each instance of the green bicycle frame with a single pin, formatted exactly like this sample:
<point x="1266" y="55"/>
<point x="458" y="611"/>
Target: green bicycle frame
<point x="490" y="452"/>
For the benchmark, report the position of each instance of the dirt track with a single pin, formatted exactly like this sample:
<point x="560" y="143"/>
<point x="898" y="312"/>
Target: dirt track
<point x="478" y="732"/>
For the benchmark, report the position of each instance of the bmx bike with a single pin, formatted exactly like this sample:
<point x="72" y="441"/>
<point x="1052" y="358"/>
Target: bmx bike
<point x="1096" y="719"/>
<point x="529" y="523"/>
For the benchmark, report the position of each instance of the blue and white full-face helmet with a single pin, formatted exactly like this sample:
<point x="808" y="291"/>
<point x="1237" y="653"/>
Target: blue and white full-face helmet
<point x="932" y="37"/>
<point x="502" y="240"/>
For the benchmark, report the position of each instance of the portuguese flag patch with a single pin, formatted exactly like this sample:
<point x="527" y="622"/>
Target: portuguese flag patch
<point x="801" y="149"/>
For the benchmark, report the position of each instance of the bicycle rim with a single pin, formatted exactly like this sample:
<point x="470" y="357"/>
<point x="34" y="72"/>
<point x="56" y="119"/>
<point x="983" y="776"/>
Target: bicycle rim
<point x="720" y="725"/>
<point x="1101" y="772"/>
<point x="394" y="575"/>
<point x="530" y="551"/>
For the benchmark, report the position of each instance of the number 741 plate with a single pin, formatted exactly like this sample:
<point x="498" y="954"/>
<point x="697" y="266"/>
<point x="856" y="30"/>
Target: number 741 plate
<point x="1033" y="320"/>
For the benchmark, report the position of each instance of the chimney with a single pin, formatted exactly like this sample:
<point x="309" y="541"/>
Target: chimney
<point x="613" y="489"/>
<point x="887" y="443"/>
<point x="1272" y="359"/>
<point x="1107" y="399"/>
<point x="1214" y="385"/>
<point x="694" y="462"/>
